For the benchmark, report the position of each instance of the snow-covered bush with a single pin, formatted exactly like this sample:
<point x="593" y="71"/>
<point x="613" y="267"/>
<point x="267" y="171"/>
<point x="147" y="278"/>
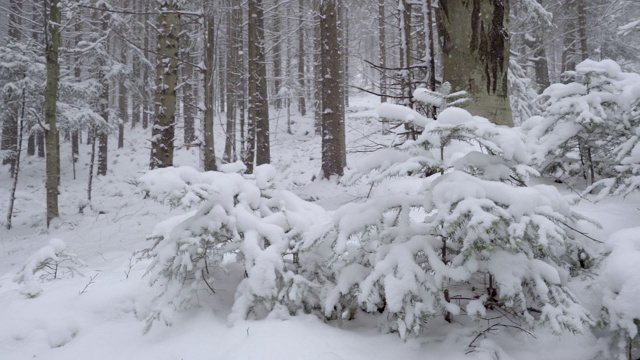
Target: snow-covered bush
<point x="51" y="262"/>
<point x="619" y="282"/>
<point x="240" y="220"/>
<point x="471" y="240"/>
<point x="586" y="124"/>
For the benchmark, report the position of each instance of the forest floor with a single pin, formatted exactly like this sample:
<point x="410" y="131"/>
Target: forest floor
<point x="98" y="315"/>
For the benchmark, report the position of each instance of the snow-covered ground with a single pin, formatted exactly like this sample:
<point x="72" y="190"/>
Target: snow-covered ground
<point x="98" y="314"/>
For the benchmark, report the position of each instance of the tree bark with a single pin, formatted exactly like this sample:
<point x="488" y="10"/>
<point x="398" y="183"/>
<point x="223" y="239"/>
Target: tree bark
<point x="475" y="43"/>
<point x="382" y="50"/>
<point x="302" y="105"/>
<point x="103" y="133"/>
<point x="163" y="131"/>
<point x="333" y="133"/>
<point x="50" y="104"/>
<point x="209" y="155"/>
<point x="258" y="138"/>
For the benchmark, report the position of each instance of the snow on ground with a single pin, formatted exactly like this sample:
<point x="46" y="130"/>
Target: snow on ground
<point x="98" y="315"/>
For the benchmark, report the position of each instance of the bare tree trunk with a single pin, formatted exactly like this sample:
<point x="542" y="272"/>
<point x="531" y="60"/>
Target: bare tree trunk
<point x="476" y="54"/>
<point x="10" y="125"/>
<point x="258" y="100"/>
<point x="92" y="160"/>
<point x="277" y="56"/>
<point x="302" y="105"/>
<point x="52" y="32"/>
<point x="146" y="110"/>
<point x="163" y="131"/>
<point x="317" y="68"/>
<point x="189" y="102"/>
<point x="209" y="150"/>
<point x="103" y="132"/>
<point x="16" y="168"/>
<point x="235" y="46"/>
<point x="332" y="99"/>
<point x="382" y="50"/>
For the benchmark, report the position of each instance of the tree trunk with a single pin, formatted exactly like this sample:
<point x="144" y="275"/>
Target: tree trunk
<point x="277" y="57"/>
<point x="382" y="50"/>
<point x="209" y="55"/>
<point x="476" y="54"/>
<point x="234" y="23"/>
<point x="103" y="133"/>
<point x="50" y="104"/>
<point x="163" y="131"/>
<point x="317" y="68"/>
<point x="302" y="105"/>
<point x="189" y="99"/>
<point x="10" y="134"/>
<point x="332" y="99"/>
<point x="258" y="101"/>
<point x="146" y="109"/>
<point x="406" y="86"/>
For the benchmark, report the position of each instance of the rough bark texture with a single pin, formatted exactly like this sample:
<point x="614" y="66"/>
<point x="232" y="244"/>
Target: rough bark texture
<point x="258" y="105"/>
<point x="50" y="103"/>
<point x="209" y="155"/>
<point x="163" y="131"/>
<point x="475" y="43"/>
<point x="333" y="132"/>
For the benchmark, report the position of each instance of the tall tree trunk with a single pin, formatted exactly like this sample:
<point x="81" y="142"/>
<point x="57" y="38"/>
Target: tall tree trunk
<point x="189" y="98"/>
<point x="258" y="100"/>
<point x="476" y="54"/>
<point x="317" y="68"/>
<point x="382" y="50"/>
<point x="50" y="104"/>
<point x="103" y="133"/>
<point x="234" y="23"/>
<point x="209" y="55"/>
<point x="146" y="109"/>
<point x="16" y="169"/>
<point x="302" y="105"/>
<point x="277" y="56"/>
<point x="163" y="131"/>
<point x="123" y="107"/>
<point x="10" y="134"/>
<point x="343" y="26"/>
<point x="333" y="133"/>
<point x="406" y="85"/>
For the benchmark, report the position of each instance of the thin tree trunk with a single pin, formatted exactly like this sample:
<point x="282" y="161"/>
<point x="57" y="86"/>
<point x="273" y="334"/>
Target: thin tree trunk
<point x="92" y="160"/>
<point x="332" y="98"/>
<point x="382" y="50"/>
<point x="209" y="150"/>
<point x="103" y="133"/>
<point x="50" y="104"/>
<point x="258" y="100"/>
<point x="302" y="105"/>
<point x="235" y="46"/>
<point x="277" y="57"/>
<point x="163" y="131"/>
<point x="317" y="68"/>
<point x="16" y="168"/>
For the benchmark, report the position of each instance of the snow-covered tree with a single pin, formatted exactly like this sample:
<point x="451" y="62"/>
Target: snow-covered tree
<point x="470" y="239"/>
<point x="584" y="122"/>
<point x="239" y="221"/>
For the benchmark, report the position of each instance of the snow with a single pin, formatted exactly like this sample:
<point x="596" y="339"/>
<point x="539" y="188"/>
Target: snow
<point x="99" y="313"/>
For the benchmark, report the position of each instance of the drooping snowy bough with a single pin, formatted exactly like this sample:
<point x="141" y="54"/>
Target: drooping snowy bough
<point x="239" y="220"/>
<point x="470" y="240"/>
